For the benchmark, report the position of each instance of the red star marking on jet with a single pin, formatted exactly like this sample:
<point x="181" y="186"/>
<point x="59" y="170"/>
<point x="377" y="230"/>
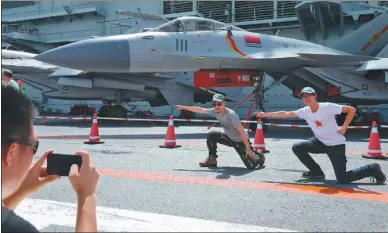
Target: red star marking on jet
<point x="318" y="123"/>
<point x="375" y="37"/>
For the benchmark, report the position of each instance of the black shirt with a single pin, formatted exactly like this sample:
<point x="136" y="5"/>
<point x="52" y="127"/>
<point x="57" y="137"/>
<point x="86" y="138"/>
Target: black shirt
<point x="10" y="222"/>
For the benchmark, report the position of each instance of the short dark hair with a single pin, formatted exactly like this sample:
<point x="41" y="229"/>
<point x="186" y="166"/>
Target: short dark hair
<point x="17" y="113"/>
<point x="7" y="73"/>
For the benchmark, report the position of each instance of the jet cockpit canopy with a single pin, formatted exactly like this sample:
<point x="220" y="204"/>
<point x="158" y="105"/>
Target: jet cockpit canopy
<point x="191" y="23"/>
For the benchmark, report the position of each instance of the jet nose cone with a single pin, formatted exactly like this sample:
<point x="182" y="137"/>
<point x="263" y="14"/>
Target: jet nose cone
<point x="109" y="54"/>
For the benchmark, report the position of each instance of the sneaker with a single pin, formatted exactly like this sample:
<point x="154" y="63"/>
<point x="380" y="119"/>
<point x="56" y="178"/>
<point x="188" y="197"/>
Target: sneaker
<point x="311" y="175"/>
<point x="209" y="162"/>
<point x="378" y="177"/>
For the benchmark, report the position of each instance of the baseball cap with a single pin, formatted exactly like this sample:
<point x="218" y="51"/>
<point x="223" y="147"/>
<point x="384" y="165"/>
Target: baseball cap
<point x="308" y="90"/>
<point x="6" y="72"/>
<point x="218" y="98"/>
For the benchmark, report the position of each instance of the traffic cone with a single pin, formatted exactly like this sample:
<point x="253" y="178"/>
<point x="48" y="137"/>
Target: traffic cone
<point x="94" y="137"/>
<point x="258" y="143"/>
<point x="170" y="141"/>
<point x="374" y="147"/>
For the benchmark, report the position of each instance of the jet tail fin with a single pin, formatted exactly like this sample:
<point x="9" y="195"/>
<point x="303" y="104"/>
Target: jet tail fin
<point x="383" y="52"/>
<point x="368" y="40"/>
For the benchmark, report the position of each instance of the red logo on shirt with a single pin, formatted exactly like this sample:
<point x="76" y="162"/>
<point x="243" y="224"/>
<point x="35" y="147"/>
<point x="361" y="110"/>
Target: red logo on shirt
<point x="318" y="123"/>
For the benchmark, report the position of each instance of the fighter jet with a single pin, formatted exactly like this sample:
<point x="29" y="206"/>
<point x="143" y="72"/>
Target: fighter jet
<point x="69" y="84"/>
<point x="199" y="45"/>
<point x="192" y="44"/>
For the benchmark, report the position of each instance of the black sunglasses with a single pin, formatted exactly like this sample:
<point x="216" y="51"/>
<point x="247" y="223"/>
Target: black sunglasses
<point x="33" y="143"/>
<point x="217" y="104"/>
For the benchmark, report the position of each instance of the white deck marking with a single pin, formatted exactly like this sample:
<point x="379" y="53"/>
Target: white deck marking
<point x="42" y="213"/>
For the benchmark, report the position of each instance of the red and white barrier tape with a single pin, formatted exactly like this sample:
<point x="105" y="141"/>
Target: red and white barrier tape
<point x="63" y="118"/>
<point x="187" y="120"/>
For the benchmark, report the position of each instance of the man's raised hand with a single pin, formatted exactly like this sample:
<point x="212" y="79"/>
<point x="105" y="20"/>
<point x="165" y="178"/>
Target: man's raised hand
<point x="260" y="114"/>
<point x="180" y="107"/>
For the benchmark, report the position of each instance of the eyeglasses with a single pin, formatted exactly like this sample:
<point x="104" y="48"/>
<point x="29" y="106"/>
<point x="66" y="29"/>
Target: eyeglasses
<point x="33" y="143"/>
<point x="217" y="104"/>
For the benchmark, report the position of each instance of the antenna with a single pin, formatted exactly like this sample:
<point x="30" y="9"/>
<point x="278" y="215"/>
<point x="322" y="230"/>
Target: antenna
<point x="67" y="9"/>
<point x="229" y="29"/>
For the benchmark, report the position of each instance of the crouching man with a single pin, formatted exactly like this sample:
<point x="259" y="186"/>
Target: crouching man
<point x="234" y="134"/>
<point x="329" y="139"/>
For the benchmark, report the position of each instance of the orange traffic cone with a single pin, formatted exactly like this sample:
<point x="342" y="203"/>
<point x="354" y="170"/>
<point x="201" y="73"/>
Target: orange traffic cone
<point x="170" y="141"/>
<point x="258" y="143"/>
<point x="374" y="147"/>
<point x="94" y="137"/>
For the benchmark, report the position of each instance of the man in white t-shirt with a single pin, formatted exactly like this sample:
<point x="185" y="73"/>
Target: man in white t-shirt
<point x="329" y="139"/>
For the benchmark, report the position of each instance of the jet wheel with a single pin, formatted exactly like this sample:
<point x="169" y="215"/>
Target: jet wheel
<point x="116" y="111"/>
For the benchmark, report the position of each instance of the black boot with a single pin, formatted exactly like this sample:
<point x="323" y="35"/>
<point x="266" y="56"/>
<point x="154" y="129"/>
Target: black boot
<point x="378" y="177"/>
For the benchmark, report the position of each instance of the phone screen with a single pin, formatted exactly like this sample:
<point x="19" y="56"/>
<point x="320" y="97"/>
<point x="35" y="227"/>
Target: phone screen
<point x="60" y="164"/>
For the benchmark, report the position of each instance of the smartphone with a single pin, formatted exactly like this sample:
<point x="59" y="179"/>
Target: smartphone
<point x="60" y="164"/>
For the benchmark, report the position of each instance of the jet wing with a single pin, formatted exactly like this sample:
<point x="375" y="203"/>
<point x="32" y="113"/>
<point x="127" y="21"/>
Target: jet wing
<point x="289" y="58"/>
<point x="333" y="58"/>
<point x="68" y="72"/>
<point x="319" y="55"/>
<point x="63" y="71"/>
<point x="27" y="63"/>
<point x="381" y="64"/>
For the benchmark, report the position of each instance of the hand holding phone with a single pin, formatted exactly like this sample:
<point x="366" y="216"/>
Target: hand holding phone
<point x="60" y="164"/>
<point x="84" y="180"/>
<point x="83" y="177"/>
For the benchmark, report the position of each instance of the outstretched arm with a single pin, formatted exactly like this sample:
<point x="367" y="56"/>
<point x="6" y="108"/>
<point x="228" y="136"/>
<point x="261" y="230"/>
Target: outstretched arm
<point x="194" y="109"/>
<point x="280" y="114"/>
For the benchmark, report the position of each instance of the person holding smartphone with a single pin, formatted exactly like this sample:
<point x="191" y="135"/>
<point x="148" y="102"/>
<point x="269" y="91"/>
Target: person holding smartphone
<point x="20" y="179"/>
<point x="329" y="139"/>
<point x="234" y="134"/>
